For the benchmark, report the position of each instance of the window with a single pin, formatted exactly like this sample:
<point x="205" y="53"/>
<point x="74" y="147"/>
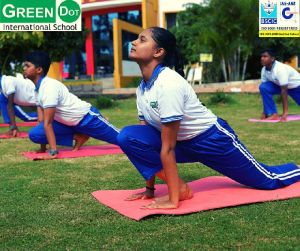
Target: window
<point x="103" y="39"/>
<point x="170" y="20"/>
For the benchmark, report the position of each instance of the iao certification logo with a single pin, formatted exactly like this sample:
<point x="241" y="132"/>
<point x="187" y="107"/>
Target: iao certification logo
<point x="40" y="15"/>
<point x="279" y="18"/>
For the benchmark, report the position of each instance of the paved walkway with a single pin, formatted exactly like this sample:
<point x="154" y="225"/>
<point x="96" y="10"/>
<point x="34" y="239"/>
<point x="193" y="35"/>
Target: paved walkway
<point x="248" y="86"/>
<point x="106" y="86"/>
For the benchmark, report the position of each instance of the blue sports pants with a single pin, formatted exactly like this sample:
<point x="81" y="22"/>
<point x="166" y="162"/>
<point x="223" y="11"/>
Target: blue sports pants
<point x="19" y="112"/>
<point x="92" y="124"/>
<point x="218" y="148"/>
<point x="268" y="89"/>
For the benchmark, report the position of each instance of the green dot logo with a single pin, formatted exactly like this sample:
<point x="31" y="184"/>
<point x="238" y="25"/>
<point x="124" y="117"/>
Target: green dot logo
<point x="69" y="11"/>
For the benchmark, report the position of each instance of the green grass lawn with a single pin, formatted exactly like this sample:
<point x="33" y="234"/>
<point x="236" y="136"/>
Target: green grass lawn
<point x="47" y="205"/>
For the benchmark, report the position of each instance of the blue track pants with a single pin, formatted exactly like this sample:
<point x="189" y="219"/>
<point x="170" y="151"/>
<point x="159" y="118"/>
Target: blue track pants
<point x="268" y="89"/>
<point x="93" y="125"/>
<point x="218" y="148"/>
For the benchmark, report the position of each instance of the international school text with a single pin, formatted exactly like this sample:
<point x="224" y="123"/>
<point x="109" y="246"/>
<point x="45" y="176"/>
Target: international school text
<point x="39" y="27"/>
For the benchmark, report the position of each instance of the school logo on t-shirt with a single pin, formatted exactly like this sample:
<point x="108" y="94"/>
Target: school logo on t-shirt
<point x="154" y="104"/>
<point x="37" y="15"/>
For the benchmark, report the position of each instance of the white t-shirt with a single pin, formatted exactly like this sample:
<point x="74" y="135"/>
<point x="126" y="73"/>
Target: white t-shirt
<point x="282" y="75"/>
<point x="171" y="98"/>
<point x="69" y="109"/>
<point x="23" y="90"/>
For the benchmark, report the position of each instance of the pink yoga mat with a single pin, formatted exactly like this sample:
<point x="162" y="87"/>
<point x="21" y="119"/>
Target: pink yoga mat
<point x="85" y="151"/>
<point x="20" y="135"/>
<point x="34" y="123"/>
<point x="293" y="117"/>
<point x="209" y="193"/>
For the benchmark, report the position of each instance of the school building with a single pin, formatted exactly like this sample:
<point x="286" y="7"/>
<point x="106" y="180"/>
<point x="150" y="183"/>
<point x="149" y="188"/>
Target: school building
<point x="113" y="24"/>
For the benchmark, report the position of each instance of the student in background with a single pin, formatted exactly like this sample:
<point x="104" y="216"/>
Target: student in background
<point x="16" y="92"/>
<point x="65" y="117"/>
<point x="277" y="79"/>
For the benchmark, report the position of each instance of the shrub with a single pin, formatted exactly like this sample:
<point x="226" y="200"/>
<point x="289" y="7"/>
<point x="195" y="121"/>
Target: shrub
<point x="104" y="102"/>
<point x="221" y="98"/>
<point x="134" y="83"/>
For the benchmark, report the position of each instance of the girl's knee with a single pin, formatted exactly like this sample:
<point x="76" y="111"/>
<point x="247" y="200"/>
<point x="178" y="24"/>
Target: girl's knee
<point x="34" y="135"/>
<point x="263" y="87"/>
<point x="124" y="136"/>
<point x="270" y="185"/>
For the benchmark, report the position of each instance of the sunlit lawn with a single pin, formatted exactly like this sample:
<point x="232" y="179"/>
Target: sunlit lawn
<point x="47" y="205"/>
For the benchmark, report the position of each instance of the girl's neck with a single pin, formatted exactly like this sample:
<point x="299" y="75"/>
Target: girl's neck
<point x="147" y="69"/>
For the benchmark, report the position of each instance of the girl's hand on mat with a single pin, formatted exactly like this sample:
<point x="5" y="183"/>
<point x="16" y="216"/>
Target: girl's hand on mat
<point x="13" y="133"/>
<point x="141" y="196"/>
<point x="160" y="205"/>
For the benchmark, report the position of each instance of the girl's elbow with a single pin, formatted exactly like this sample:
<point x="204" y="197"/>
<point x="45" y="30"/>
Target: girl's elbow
<point x="47" y="124"/>
<point x="166" y="153"/>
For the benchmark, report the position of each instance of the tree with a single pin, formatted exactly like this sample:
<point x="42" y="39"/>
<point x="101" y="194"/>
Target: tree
<point x="229" y="30"/>
<point x="285" y="48"/>
<point x="15" y="45"/>
<point x="226" y="28"/>
<point x="61" y="44"/>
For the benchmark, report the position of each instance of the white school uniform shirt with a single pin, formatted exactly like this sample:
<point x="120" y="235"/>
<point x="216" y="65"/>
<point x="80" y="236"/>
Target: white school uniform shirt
<point x="282" y="75"/>
<point x="70" y="110"/>
<point x="23" y="89"/>
<point x="171" y="98"/>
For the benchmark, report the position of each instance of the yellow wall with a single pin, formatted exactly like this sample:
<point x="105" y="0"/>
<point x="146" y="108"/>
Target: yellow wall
<point x="54" y="71"/>
<point x="294" y="62"/>
<point x="149" y="13"/>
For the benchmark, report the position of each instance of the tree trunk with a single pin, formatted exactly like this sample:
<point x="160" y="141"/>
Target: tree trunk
<point x="234" y="67"/>
<point x="245" y="67"/>
<point x="223" y="65"/>
<point x="238" y="64"/>
<point x="229" y="70"/>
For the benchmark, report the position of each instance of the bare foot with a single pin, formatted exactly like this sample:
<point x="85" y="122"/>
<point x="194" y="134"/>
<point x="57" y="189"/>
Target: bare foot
<point x="263" y="116"/>
<point x="147" y="194"/>
<point x="273" y="117"/>
<point x="283" y="118"/>
<point x="80" y="139"/>
<point x="186" y="193"/>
